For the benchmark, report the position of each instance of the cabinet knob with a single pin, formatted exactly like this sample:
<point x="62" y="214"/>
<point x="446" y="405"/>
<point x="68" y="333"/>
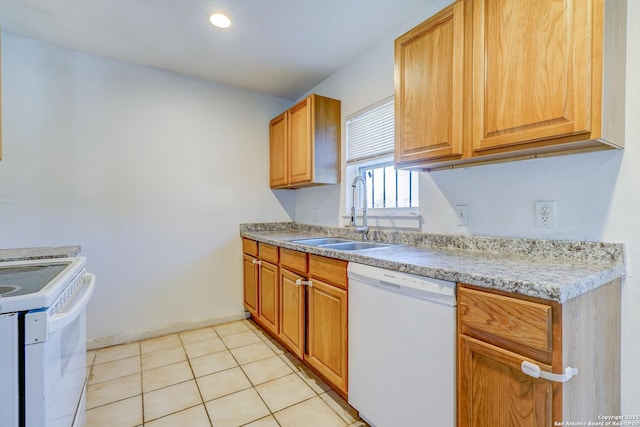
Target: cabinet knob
<point x="256" y="261"/>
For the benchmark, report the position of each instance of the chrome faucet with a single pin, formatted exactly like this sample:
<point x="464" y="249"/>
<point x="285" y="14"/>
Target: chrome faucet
<point x="364" y="229"/>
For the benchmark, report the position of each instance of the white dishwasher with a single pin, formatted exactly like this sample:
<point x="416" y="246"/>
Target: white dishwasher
<point x="402" y="348"/>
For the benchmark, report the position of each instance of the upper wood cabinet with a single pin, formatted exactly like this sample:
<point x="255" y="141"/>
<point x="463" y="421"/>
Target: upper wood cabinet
<point x="279" y="165"/>
<point x="305" y="144"/>
<point x="430" y="86"/>
<point x="486" y="81"/>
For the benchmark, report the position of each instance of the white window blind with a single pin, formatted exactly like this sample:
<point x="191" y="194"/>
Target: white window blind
<point x="370" y="133"/>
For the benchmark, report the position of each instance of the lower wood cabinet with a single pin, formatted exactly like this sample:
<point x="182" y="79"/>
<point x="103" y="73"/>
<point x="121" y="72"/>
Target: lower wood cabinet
<point x="292" y="312"/>
<point x="251" y="275"/>
<point x="262" y="283"/>
<point x="327" y="332"/>
<point x="269" y="301"/>
<point x="301" y="300"/>
<point x="495" y="392"/>
<point x="498" y="331"/>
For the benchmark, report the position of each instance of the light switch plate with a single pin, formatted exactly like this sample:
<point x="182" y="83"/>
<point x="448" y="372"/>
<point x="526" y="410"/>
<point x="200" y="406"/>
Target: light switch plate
<point x="462" y="212"/>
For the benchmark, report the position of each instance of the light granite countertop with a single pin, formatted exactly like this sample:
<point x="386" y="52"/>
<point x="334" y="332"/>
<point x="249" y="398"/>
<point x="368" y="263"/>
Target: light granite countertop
<point x="550" y="269"/>
<point x="23" y="254"/>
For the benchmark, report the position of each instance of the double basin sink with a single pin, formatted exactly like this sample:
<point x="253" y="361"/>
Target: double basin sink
<point x="341" y="244"/>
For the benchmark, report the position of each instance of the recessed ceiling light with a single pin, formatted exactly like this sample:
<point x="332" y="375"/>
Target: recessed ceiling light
<point x="220" y="20"/>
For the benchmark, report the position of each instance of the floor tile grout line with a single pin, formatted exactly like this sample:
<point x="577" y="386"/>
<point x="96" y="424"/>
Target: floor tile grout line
<point x="262" y="418"/>
<point x="245" y="374"/>
<point x="264" y="338"/>
<point x="292" y="372"/>
<point x="238" y="365"/>
<point x="177" y="412"/>
<point x="115" y="401"/>
<point x="298" y="372"/>
<point x="141" y="385"/>
<point x="206" y="410"/>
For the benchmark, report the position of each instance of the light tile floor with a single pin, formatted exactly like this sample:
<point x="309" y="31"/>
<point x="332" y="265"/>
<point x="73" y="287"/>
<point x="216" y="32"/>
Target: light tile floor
<point x="227" y="375"/>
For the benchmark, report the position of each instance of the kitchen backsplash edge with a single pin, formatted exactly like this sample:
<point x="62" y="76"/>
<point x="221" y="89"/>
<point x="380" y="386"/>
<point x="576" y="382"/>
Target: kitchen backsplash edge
<point x="541" y="248"/>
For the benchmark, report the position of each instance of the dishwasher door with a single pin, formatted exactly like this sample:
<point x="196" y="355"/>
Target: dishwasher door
<point x="402" y="355"/>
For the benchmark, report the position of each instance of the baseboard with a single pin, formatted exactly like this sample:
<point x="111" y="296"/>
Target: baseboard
<point x="128" y="337"/>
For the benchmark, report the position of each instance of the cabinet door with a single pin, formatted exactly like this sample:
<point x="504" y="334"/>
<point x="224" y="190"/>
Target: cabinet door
<point x="278" y="134"/>
<point x="532" y="68"/>
<point x="429" y="87"/>
<point x="492" y="390"/>
<point x="292" y="331"/>
<point x="301" y="142"/>
<point x="251" y="275"/>
<point x="269" y="300"/>
<point x="327" y="332"/>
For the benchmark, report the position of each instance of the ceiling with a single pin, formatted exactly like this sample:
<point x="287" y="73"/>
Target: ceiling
<point x="278" y="47"/>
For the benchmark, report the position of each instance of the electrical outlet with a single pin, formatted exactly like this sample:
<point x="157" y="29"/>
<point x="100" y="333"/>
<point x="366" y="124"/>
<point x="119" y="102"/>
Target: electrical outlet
<point x="315" y="215"/>
<point x="462" y="212"/>
<point x="545" y="214"/>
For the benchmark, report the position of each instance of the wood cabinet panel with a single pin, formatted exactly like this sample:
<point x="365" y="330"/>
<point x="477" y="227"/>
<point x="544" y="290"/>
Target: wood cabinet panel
<point x="250" y="284"/>
<point x="429" y="78"/>
<point x="309" y="318"/>
<point x="329" y="269"/>
<point x="327" y="332"/>
<point x="269" y="301"/>
<point x="269" y="252"/>
<point x="300" y="143"/>
<point x="294" y="260"/>
<point x="515" y="80"/>
<point x="529" y="88"/>
<point x="495" y="392"/>
<point x="498" y="331"/>
<point x="305" y="144"/>
<point x="292" y="312"/>
<point x="511" y="322"/>
<point x="250" y="247"/>
<point x="278" y="151"/>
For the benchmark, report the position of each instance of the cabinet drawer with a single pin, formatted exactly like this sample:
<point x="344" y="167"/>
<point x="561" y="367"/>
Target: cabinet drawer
<point x="294" y="260"/>
<point x="268" y="253"/>
<point x="250" y="247"/>
<point x="332" y="270"/>
<point x="512" y="323"/>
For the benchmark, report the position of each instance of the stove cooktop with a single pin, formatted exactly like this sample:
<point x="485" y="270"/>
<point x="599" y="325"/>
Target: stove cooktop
<point x="27" y="279"/>
<point x="36" y="284"/>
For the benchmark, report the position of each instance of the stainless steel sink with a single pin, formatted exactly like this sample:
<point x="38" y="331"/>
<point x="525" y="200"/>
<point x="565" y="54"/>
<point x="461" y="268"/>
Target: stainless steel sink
<point x="355" y="246"/>
<point x="340" y="244"/>
<point x="319" y="241"/>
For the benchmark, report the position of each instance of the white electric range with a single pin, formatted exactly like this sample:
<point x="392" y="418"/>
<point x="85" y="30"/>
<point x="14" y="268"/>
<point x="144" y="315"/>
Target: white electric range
<point x="43" y="342"/>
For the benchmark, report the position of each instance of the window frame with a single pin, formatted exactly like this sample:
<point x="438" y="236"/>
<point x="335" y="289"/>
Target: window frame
<point x="413" y="180"/>
<point x="355" y="167"/>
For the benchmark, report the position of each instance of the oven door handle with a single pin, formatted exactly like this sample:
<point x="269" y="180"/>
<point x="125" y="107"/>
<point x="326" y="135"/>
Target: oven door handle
<point x="61" y="320"/>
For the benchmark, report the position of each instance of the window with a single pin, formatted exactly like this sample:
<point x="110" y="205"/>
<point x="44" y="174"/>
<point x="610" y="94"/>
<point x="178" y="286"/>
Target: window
<point x="390" y="188"/>
<point x="370" y="143"/>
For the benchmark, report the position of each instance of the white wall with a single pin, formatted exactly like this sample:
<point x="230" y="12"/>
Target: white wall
<point x="597" y="194"/>
<point x="151" y="172"/>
